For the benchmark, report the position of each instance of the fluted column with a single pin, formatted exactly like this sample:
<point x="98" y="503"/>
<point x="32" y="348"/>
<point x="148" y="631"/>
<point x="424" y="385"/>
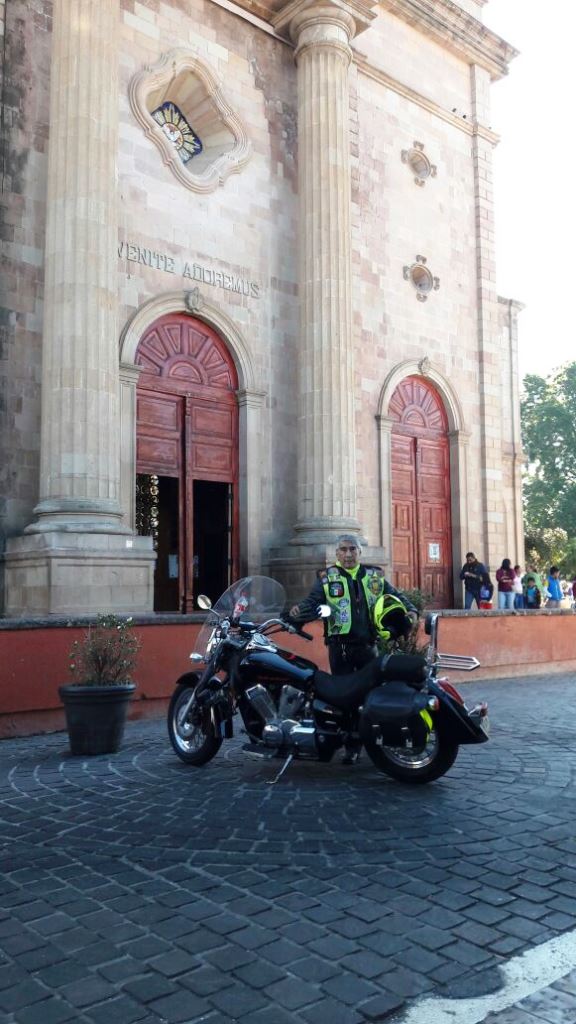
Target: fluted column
<point x="321" y="31"/>
<point x="78" y="557"/>
<point x="80" y="453"/>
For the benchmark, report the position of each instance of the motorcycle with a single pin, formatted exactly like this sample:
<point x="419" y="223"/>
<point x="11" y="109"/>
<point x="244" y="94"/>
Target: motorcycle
<point x="410" y="720"/>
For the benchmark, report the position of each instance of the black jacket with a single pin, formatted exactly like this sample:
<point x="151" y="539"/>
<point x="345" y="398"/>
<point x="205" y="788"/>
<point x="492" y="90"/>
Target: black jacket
<point x="480" y="578"/>
<point x="361" y="627"/>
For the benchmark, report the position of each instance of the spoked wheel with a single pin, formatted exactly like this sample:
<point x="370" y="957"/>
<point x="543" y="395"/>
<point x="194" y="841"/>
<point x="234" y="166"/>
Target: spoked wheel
<point x="418" y="766"/>
<point x="192" y="734"/>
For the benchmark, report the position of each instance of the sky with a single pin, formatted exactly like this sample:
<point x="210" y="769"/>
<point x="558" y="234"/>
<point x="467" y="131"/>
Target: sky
<point x="535" y="205"/>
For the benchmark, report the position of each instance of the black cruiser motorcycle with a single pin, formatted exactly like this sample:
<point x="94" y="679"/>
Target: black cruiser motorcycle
<point x="410" y="720"/>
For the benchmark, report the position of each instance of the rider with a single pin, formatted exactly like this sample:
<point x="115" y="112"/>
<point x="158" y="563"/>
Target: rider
<point x="353" y="592"/>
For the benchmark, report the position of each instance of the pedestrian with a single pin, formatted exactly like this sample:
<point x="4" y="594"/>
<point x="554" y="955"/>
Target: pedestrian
<point x="532" y="593"/>
<point x="554" y="588"/>
<point x="505" y="581"/>
<point x="352" y="591"/>
<point x="518" y="588"/>
<point x="475" y="576"/>
<point x="533" y="572"/>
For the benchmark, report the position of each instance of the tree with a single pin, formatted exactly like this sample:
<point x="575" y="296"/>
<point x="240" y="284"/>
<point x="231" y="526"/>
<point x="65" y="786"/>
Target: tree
<point x="548" y="411"/>
<point x="545" y="548"/>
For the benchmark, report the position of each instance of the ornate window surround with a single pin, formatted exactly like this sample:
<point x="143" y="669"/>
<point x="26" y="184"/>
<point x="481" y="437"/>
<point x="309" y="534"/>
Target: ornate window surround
<point x="226" y="146"/>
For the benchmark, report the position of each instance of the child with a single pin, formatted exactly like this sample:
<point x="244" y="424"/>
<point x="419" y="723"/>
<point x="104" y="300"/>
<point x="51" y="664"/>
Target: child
<point x="532" y="594"/>
<point x="518" y="588"/>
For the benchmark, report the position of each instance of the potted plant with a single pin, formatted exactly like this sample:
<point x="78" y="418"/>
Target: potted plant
<point x="96" y="702"/>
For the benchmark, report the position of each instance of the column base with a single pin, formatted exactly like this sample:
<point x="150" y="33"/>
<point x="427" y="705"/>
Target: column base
<point x="296" y="564"/>
<point x="78" y="515"/>
<point x="78" y="574"/>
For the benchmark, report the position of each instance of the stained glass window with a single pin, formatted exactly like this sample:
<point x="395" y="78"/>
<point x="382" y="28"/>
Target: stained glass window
<point x="177" y="130"/>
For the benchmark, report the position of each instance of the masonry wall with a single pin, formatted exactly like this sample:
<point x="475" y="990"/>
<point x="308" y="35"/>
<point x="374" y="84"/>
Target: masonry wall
<point x="23" y="158"/>
<point x="397" y="221"/>
<point x="246" y="228"/>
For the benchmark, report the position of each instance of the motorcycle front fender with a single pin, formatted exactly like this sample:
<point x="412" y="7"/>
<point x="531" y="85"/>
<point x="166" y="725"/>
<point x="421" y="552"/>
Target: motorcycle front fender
<point x="221" y="711"/>
<point x="188" y="679"/>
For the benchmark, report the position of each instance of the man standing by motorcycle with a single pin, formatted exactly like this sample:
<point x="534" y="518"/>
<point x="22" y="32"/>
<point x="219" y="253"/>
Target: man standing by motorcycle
<point x="354" y="592"/>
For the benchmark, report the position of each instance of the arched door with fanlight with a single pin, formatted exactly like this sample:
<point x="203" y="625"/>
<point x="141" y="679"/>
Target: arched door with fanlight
<point x="187" y="459"/>
<point x="420" y="461"/>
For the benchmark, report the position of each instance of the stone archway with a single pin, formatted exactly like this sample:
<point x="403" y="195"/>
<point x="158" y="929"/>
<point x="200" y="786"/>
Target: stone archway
<point x="420" y="491"/>
<point x="458" y="438"/>
<point x="187" y="459"/>
<point x="250" y="401"/>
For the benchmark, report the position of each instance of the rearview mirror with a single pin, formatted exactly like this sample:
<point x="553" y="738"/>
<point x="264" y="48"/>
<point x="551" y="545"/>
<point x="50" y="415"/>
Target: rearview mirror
<point x="204" y="602"/>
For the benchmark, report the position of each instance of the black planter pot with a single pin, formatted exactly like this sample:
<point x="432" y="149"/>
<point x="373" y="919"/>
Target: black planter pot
<point x="95" y="716"/>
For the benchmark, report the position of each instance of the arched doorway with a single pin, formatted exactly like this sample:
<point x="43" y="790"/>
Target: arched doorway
<point x="187" y="459"/>
<point x="420" y="469"/>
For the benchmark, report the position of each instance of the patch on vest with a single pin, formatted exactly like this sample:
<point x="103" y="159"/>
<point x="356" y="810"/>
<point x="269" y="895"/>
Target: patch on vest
<point x="336" y="589"/>
<point x="374" y="580"/>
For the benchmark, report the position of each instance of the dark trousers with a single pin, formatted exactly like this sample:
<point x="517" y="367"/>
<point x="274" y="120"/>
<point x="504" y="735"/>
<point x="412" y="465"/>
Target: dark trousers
<point x="345" y="658"/>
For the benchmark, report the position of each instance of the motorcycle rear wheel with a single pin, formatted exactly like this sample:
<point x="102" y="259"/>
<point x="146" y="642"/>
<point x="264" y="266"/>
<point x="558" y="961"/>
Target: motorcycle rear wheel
<point x="418" y="767"/>
<point x="192" y="737"/>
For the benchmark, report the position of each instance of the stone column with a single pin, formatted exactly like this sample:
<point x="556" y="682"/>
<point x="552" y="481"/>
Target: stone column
<point x="490" y="368"/>
<point x="76" y="556"/>
<point x="321" y="31"/>
<point x="250" y="404"/>
<point x="80" y="464"/>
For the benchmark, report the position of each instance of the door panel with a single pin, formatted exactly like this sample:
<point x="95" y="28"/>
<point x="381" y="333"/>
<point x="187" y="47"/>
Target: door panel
<point x="159" y="434"/>
<point x="212" y="422"/>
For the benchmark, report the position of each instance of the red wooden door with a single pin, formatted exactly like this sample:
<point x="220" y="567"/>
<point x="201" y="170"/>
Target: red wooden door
<point x="422" y="535"/>
<point x="187" y="428"/>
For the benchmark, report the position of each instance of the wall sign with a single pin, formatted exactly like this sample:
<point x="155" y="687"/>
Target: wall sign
<point x="433" y="552"/>
<point x="133" y="253"/>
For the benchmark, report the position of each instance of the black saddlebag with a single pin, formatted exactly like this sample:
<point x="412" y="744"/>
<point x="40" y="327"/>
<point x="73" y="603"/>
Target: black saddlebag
<point x="392" y="713"/>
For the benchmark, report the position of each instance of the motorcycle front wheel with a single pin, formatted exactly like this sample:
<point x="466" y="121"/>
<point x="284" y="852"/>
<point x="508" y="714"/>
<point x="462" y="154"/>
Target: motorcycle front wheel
<point x="417" y="766"/>
<point x="191" y="735"/>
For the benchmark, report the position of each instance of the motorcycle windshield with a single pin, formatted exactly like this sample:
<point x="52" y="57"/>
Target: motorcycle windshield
<point x="253" y="599"/>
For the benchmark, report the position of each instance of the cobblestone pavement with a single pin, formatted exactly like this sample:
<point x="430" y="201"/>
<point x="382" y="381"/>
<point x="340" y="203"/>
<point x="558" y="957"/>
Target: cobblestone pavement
<point x="135" y="888"/>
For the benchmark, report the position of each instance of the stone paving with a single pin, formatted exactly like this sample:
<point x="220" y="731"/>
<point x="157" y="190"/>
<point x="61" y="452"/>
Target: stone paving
<point x="137" y="889"/>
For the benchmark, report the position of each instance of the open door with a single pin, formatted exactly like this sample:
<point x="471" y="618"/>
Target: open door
<point x="187" y="460"/>
<point x="212" y="508"/>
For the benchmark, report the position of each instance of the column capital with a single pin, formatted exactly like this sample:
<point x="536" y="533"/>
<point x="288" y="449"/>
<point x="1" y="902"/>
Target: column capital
<point x="251" y="398"/>
<point x="315" y="16"/>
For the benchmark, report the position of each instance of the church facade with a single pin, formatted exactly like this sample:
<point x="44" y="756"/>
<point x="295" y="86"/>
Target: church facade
<point x="249" y="299"/>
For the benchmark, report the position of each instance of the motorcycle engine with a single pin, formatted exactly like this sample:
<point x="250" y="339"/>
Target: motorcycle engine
<point x="281" y="729"/>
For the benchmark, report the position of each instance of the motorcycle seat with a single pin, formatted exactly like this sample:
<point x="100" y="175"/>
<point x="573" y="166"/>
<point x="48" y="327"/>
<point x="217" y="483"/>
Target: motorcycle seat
<point x="348" y="692"/>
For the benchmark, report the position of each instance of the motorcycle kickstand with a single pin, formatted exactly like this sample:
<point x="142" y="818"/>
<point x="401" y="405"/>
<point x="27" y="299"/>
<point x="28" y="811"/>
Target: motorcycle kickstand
<point x="287" y="762"/>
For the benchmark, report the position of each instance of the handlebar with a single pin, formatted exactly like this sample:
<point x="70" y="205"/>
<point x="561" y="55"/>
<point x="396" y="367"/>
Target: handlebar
<point x="284" y="624"/>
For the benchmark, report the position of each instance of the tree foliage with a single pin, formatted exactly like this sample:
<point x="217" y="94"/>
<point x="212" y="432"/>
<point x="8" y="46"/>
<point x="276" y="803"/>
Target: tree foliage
<point x="548" y="411"/>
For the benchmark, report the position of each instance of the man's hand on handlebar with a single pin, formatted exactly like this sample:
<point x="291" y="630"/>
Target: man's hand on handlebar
<point x="295" y="626"/>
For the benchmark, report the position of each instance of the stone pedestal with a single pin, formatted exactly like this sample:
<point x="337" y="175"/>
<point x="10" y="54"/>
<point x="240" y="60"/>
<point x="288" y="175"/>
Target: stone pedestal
<point x="79" y="574"/>
<point x="79" y="515"/>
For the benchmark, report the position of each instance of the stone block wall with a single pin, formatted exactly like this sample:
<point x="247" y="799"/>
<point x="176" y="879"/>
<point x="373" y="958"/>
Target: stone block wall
<point x="26" y="26"/>
<point x="245" y="228"/>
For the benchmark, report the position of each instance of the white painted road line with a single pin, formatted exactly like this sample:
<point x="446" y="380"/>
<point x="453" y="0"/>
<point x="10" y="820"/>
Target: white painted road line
<point x="522" y="976"/>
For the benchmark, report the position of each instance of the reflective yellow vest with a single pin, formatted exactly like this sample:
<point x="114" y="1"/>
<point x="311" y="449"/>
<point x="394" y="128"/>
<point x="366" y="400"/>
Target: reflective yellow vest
<point x="337" y="594"/>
